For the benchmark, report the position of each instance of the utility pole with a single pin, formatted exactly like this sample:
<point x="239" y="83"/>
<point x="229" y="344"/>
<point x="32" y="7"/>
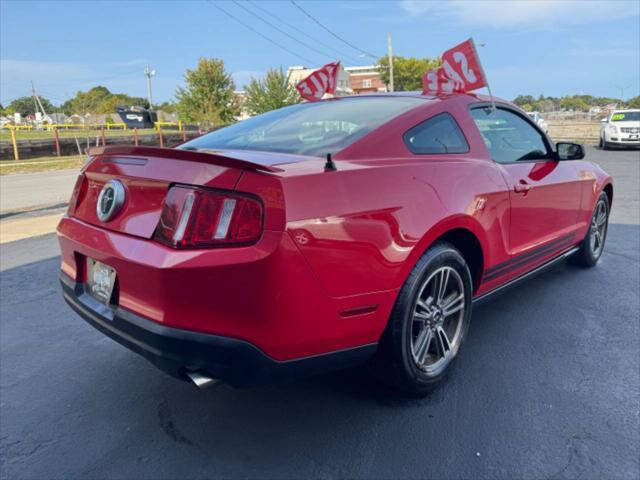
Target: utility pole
<point x="36" y="100"/>
<point x="33" y="95"/>
<point x="148" y="72"/>
<point x="390" y="62"/>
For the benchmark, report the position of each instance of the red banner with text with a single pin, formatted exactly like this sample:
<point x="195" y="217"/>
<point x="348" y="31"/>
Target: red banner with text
<point x="460" y="71"/>
<point x="323" y="80"/>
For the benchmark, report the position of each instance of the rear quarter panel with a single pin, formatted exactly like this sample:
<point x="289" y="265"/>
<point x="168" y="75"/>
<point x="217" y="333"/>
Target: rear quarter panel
<point x="594" y="180"/>
<point x="364" y="227"/>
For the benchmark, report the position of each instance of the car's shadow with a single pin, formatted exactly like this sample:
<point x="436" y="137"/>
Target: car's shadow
<point x="527" y="396"/>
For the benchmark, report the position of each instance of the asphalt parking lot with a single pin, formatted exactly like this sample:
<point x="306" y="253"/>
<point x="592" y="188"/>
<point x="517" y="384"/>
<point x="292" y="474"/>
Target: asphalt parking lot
<point x="546" y="386"/>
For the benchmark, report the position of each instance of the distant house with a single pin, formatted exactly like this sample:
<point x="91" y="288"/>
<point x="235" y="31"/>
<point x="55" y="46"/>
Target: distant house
<point x="101" y="118"/>
<point x="298" y="73"/>
<point x="75" y="119"/>
<point x="54" y="118"/>
<point x="241" y="97"/>
<point x="365" y="79"/>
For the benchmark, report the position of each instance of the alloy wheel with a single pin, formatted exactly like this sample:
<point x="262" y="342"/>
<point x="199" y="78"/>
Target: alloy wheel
<point x="598" y="229"/>
<point x="438" y="314"/>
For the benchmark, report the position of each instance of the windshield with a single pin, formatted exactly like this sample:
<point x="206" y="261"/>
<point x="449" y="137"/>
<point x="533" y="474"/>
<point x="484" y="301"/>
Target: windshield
<point x="308" y="128"/>
<point x="625" y="117"/>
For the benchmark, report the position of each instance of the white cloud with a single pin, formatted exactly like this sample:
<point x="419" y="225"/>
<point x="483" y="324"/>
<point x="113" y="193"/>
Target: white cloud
<point x="16" y="68"/>
<point x="528" y="14"/>
<point x="60" y="80"/>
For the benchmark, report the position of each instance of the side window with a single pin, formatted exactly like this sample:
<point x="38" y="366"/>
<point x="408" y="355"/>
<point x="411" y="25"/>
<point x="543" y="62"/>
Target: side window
<point x="509" y="137"/>
<point x="439" y="134"/>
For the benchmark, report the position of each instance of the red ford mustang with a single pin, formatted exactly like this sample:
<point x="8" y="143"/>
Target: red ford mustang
<point x="324" y="235"/>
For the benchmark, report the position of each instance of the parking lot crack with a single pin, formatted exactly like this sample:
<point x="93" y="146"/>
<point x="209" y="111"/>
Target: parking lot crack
<point x="168" y="425"/>
<point x="576" y="459"/>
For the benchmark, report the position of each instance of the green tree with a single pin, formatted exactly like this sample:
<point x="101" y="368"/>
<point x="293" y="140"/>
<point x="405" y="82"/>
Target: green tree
<point x="208" y="97"/>
<point x="634" y="102"/>
<point x="111" y="103"/>
<point x="167" y="107"/>
<point x="574" y="103"/>
<point x="26" y="105"/>
<point x="527" y="107"/>
<point x="272" y="92"/>
<point x="407" y="71"/>
<point x="521" y="100"/>
<point x="86" y="102"/>
<point x="546" y="105"/>
<point x="99" y="100"/>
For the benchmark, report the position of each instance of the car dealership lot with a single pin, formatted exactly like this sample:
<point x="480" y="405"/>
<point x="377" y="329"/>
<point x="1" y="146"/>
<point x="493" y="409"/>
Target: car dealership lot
<point x="546" y="386"/>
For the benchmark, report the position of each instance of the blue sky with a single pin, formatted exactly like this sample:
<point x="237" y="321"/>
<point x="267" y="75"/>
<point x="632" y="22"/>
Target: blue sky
<point x="532" y="47"/>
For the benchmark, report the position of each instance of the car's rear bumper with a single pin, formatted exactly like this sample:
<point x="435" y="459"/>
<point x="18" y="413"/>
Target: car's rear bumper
<point x="176" y="351"/>
<point x="266" y="294"/>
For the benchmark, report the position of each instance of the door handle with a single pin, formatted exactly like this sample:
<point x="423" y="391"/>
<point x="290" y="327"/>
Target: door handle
<point x="522" y="187"/>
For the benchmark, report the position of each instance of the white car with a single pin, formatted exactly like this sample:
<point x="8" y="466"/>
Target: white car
<point x="540" y="121"/>
<point x="621" y="128"/>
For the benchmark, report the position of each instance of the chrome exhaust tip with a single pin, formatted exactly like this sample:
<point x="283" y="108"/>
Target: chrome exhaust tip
<point x="202" y="380"/>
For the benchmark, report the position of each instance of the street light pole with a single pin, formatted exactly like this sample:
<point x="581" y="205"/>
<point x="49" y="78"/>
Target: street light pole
<point x="390" y="54"/>
<point x="148" y="72"/>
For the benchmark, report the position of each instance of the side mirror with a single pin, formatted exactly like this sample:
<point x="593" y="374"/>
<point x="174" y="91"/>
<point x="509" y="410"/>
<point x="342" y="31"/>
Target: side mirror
<point x="569" y="151"/>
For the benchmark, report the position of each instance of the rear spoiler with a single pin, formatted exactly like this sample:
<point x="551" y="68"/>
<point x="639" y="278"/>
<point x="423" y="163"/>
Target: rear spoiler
<point x="220" y="158"/>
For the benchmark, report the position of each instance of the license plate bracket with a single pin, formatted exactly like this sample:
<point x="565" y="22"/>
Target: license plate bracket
<point x="101" y="279"/>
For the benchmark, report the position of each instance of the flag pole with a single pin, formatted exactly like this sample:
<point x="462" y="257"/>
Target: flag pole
<point x="475" y="52"/>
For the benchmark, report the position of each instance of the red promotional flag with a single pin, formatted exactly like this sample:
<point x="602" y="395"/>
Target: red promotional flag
<point x="321" y="81"/>
<point x="460" y="71"/>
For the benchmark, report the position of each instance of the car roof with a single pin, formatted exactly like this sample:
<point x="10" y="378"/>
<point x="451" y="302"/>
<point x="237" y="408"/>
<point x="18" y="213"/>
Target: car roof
<point x="431" y="98"/>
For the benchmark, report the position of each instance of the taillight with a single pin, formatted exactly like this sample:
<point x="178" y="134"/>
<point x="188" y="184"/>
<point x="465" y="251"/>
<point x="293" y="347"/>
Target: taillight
<point x="198" y="217"/>
<point x="79" y="191"/>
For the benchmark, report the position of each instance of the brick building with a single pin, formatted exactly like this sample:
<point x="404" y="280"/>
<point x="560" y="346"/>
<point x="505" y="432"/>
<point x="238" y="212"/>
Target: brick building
<point x="365" y="79"/>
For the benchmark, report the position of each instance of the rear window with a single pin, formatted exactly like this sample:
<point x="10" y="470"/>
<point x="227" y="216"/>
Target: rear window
<point x="439" y="134"/>
<point x="308" y="128"/>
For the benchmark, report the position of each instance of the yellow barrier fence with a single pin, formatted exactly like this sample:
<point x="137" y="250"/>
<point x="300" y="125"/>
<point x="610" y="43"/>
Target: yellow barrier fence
<point x="18" y="127"/>
<point x="159" y="125"/>
<point x="65" y="126"/>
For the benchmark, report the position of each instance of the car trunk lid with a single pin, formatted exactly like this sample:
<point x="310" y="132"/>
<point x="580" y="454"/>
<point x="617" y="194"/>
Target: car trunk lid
<point x="146" y="173"/>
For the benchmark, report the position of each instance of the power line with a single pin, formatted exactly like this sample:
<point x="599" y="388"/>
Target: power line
<point x="302" y="32"/>
<point x="310" y="47"/>
<point x="332" y="33"/>
<point x="258" y="33"/>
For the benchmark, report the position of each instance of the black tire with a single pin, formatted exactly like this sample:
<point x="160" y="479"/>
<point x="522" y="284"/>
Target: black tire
<point x="396" y="360"/>
<point x="605" y="145"/>
<point x="601" y="143"/>
<point x="588" y="255"/>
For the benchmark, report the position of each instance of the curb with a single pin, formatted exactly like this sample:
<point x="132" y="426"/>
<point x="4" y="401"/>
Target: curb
<point x="27" y="226"/>
<point x="33" y="211"/>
